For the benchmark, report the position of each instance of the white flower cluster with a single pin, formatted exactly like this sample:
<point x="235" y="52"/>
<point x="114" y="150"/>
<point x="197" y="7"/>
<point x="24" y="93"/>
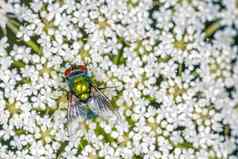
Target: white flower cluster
<point x="174" y="64"/>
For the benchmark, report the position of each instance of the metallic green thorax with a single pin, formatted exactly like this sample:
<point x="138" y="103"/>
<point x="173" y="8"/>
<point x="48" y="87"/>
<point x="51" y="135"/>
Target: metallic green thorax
<point x="80" y="86"/>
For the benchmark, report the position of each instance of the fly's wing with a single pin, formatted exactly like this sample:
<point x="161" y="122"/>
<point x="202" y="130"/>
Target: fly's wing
<point x="101" y="103"/>
<point x="77" y="108"/>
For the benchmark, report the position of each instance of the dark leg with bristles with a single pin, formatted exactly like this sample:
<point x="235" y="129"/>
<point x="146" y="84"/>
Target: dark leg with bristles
<point x="101" y="88"/>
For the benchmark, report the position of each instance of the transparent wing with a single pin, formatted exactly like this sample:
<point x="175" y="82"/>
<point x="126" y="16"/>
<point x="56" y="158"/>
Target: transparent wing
<point x="101" y="103"/>
<point x="77" y="108"/>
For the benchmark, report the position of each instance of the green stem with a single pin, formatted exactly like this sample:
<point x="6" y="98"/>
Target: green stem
<point x="212" y="29"/>
<point x="180" y="70"/>
<point x="34" y="46"/>
<point x="13" y="26"/>
<point x="185" y="145"/>
<point x="14" y="22"/>
<point x="117" y="58"/>
<point x="81" y="146"/>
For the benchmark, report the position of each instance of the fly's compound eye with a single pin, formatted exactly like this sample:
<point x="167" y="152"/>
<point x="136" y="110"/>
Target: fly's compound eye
<point x="67" y="72"/>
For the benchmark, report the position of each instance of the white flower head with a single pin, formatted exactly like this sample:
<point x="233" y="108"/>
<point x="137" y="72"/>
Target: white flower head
<point x="170" y="67"/>
<point x="5" y="8"/>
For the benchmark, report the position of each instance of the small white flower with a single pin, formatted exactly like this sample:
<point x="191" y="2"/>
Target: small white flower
<point x="4" y="9"/>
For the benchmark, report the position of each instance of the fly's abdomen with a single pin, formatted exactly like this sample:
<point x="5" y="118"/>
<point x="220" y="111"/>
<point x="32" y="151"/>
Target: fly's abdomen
<point x="81" y="88"/>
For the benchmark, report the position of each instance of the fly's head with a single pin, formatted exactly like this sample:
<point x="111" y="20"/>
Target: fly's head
<point x="75" y="69"/>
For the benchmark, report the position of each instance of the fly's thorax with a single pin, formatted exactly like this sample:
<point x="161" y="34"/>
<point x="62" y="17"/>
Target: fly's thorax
<point x="80" y="85"/>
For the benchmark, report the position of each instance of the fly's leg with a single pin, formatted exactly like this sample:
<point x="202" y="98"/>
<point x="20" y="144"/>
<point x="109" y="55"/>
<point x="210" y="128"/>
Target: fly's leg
<point x="102" y="88"/>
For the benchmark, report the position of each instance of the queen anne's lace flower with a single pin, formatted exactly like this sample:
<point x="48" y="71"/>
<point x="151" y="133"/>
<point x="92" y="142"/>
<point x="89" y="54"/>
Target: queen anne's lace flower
<point x="4" y="9"/>
<point x="171" y="68"/>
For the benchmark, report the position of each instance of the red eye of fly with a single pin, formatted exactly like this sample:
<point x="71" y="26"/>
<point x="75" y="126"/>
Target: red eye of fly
<point x="67" y="71"/>
<point x="81" y="68"/>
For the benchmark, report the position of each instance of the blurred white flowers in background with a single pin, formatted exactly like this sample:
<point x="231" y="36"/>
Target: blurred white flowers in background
<point x="174" y="64"/>
<point x="4" y="9"/>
